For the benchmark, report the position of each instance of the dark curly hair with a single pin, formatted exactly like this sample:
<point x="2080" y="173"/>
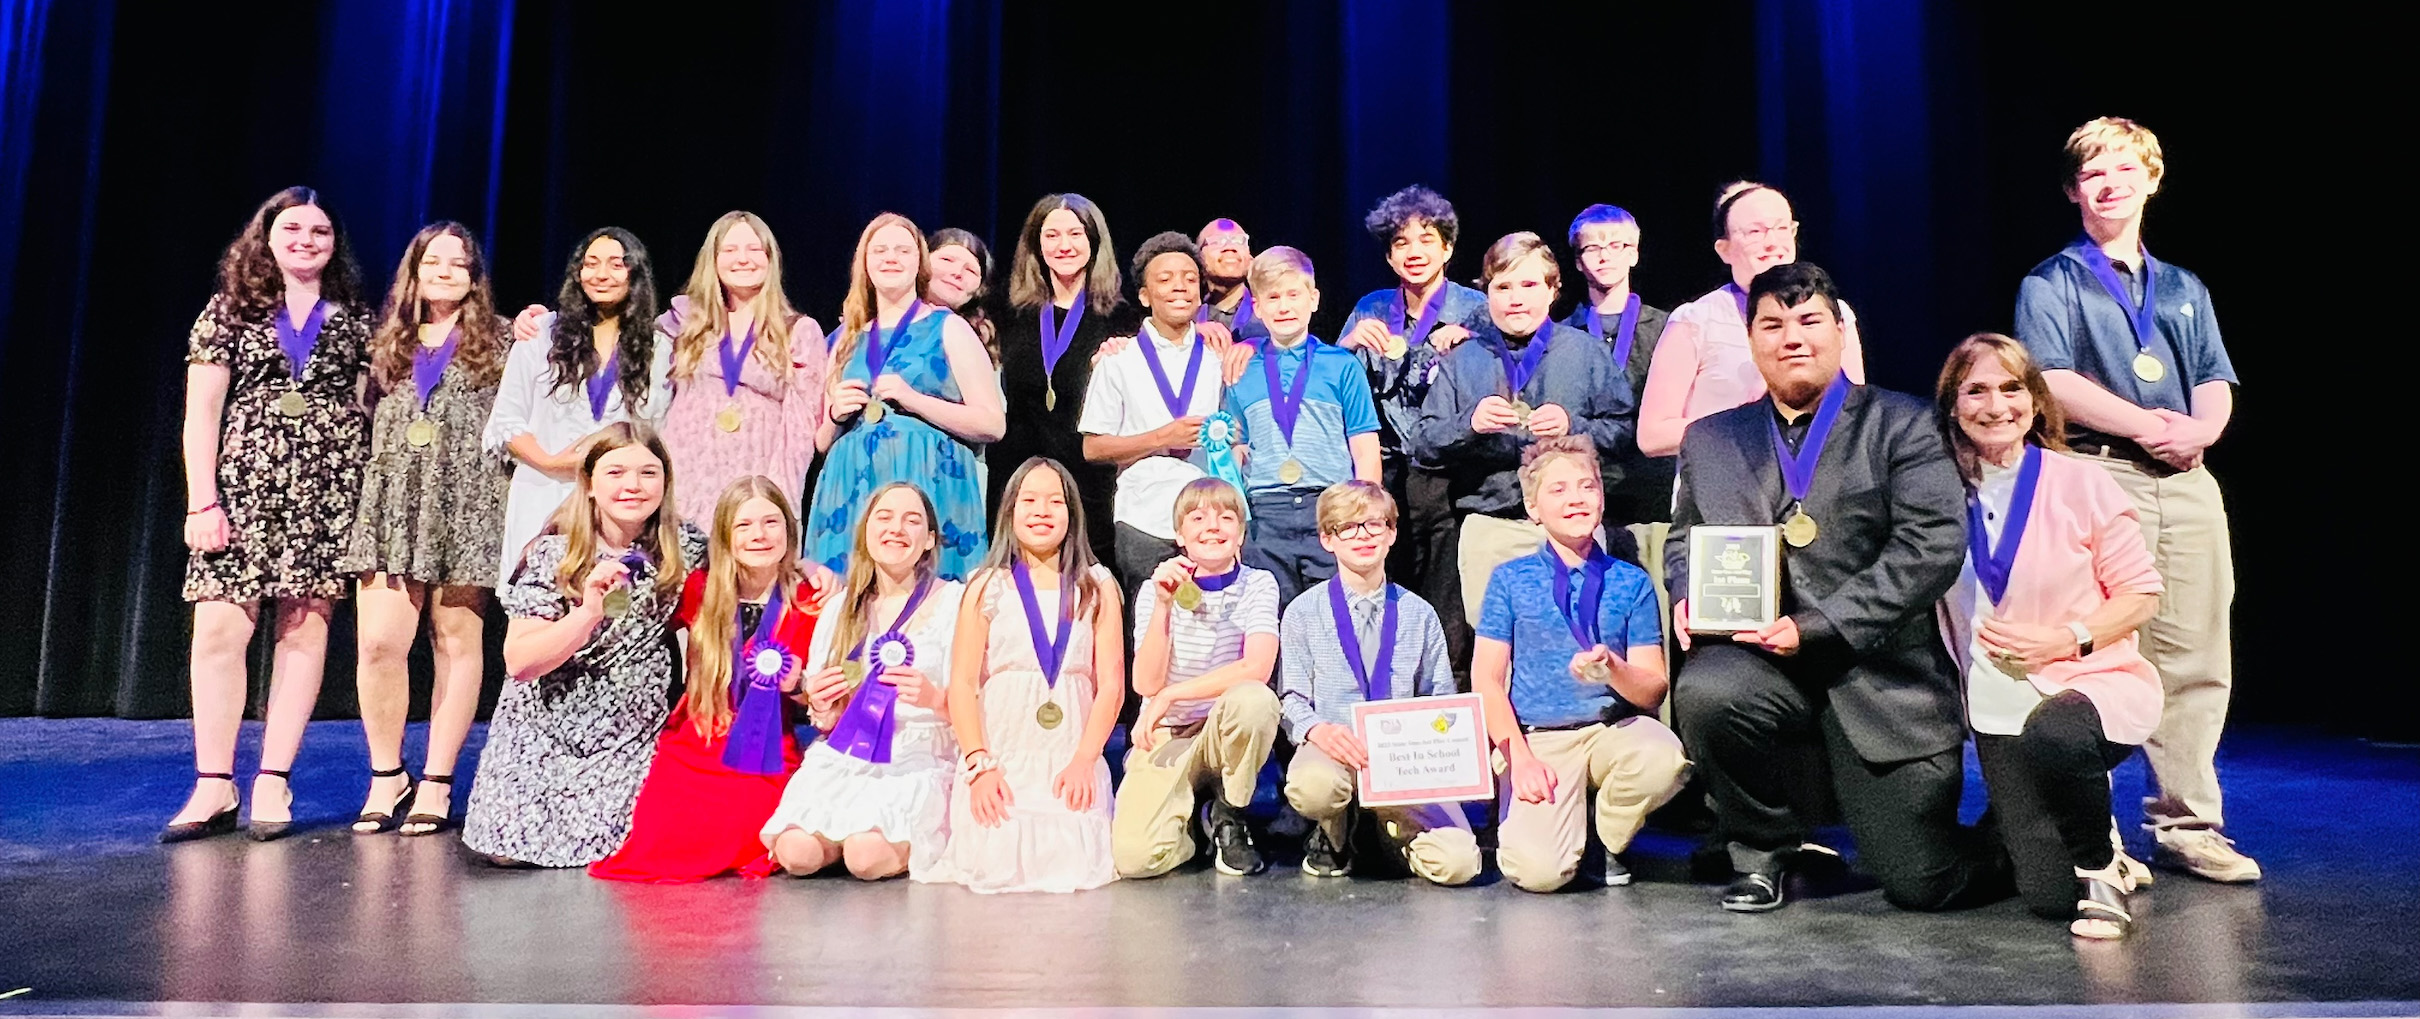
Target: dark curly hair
<point x="1408" y="206"/>
<point x="249" y="281"/>
<point x="573" y="349"/>
<point x="484" y="339"/>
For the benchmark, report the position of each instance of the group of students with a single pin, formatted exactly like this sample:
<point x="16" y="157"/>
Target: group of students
<point x="1248" y="490"/>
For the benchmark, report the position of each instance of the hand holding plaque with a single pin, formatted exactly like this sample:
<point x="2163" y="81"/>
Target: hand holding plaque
<point x="1734" y="579"/>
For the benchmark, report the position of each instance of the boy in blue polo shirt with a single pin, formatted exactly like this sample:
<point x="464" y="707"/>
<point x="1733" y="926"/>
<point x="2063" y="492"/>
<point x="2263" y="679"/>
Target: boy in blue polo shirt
<point x="1569" y="657"/>
<point x="1306" y="422"/>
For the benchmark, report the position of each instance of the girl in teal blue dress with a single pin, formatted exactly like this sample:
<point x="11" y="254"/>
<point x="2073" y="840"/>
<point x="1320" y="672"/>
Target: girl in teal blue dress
<point x="912" y="394"/>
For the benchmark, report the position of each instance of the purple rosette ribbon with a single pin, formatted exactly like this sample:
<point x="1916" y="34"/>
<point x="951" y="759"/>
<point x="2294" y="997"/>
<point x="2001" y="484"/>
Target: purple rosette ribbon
<point x="865" y="728"/>
<point x="754" y="745"/>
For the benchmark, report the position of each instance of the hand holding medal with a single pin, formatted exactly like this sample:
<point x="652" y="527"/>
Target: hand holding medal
<point x="617" y="598"/>
<point x="1594" y="665"/>
<point x="1175" y="580"/>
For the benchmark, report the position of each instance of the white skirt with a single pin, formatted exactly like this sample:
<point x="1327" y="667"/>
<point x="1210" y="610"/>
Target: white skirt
<point x="1042" y="846"/>
<point x="834" y="795"/>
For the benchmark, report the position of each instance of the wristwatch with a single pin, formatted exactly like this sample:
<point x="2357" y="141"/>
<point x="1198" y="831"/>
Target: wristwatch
<point x="2083" y="638"/>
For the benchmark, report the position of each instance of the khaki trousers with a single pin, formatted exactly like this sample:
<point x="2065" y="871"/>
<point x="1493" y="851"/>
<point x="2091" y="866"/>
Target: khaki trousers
<point x="1634" y="765"/>
<point x="1489" y="542"/>
<point x="1148" y="833"/>
<point x="2185" y="523"/>
<point x="1434" y="839"/>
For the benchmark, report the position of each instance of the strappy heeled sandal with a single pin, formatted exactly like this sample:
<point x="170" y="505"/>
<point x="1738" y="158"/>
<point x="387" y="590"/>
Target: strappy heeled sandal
<point x="220" y="823"/>
<point x="270" y="831"/>
<point x="2100" y="903"/>
<point x="371" y="822"/>
<point x="430" y="824"/>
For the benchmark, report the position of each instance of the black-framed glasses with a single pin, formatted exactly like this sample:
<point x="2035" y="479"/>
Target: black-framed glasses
<point x="1362" y="529"/>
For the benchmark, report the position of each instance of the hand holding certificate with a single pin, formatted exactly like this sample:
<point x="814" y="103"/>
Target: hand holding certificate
<point x="1423" y="750"/>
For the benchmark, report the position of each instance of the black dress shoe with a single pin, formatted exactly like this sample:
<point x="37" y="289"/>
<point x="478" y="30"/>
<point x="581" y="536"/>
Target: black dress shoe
<point x="1753" y="893"/>
<point x="220" y="823"/>
<point x="271" y="831"/>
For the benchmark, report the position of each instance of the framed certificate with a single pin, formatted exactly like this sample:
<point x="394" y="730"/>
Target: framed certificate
<point x="1734" y="578"/>
<point x="1424" y="750"/>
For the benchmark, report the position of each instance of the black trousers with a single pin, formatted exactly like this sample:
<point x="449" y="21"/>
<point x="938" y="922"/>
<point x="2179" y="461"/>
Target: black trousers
<point x="1734" y="705"/>
<point x="2050" y="794"/>
<point x="1427" y="552"/>
<point x="1138" y="555"/>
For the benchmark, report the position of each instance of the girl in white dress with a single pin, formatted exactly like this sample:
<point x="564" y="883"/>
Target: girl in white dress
<point x="874" y="794"/>
<point x="1035" y="680"/>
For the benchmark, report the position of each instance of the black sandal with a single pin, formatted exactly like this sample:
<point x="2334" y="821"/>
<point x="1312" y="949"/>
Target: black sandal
<point x="270" y="831"/>
<point x="379" y="820"/>
<point x="2100" y="902"/>
<point x="430" y="824"/>
<point x="220" y="823"/>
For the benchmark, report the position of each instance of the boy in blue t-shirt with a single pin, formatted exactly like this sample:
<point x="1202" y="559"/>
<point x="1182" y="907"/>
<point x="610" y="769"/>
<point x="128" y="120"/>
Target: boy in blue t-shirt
<point x="1305" y="421"/>
<point x="1570" y="659"/>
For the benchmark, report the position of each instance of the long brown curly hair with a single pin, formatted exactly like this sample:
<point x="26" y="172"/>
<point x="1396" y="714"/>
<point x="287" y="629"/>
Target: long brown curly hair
<point x="249" y="281"/>
<point x="481" y="353"/>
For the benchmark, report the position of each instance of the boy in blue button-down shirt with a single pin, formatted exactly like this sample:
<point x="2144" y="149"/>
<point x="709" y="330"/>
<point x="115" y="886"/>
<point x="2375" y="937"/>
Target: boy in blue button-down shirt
<point x="1570" y="660"/>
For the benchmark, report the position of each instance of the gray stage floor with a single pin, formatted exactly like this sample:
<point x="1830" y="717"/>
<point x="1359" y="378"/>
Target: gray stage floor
<point x="98" y="921"/>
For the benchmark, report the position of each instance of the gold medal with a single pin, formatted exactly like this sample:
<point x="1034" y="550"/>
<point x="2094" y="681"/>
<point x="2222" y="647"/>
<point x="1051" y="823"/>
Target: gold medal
<point x="1799" y="530"/>
<point x="854" y="672"/>
<point x="1597" y="672"/>
<point x="617" y="603"/>
<point x="874" y="411"/>
<point x="1049" y="716"/>
<point x="420" y="432"/>
<point x="727" y="419"/>
<point x="1188" y="596"/>
<point x="292" y="404"/>
<point x="1522" y="410"/>
<point x="1396" y="346"/>
<point x="2149" y="368"/>
<point x="1290" y="471"/>
<point x="1050" y="397"/>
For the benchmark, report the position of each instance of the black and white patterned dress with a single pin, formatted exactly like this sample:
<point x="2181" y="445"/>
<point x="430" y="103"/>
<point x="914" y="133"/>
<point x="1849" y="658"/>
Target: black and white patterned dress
<point x="566" y="753"/>
<point x="289" y="485"/>
<point x="432" y="513"/>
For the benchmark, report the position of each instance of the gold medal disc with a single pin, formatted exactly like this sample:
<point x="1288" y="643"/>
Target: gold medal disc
<point x="1396" y="347"/>
<point x="292" y="404"/>
<point x="617" y="603"/>
<point x="727" y="419"/>
<point x="1050" y="397"/>
<point x="420" y="432"/>
<point x="854" y="672"/>
<point x="1049" y="716"/>
<point x="1522" y="410"/>
<point x="1596" y="672"/>
<point x="874" y="412"/>
<point x="2149" y="368"/>
<point x="1188" y="596"/>
<point x="1799" y="530"/>
<point x="1290" y="471"/>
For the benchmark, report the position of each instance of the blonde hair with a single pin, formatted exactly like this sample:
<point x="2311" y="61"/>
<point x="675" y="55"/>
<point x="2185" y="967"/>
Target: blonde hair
<point x="717" y="623"/>
<point x="1509" y="250"/>
<point x="852" y="626"/>
<point x="2049" y="428"/>
<point x="1211" y="492"/>
<point x="576" y="518"/>
<point x="1347" y="502"/>
<point x="857" y="310"/>
<point x="706" y="320"/>
<point x="1272" y="267"/>
<point x="2107" y="134"/>
<point x="1534" y="458"/>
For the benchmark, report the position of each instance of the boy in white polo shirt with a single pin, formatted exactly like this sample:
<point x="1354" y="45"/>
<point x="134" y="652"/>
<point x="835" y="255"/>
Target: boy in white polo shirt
<point x="1205" y="643"/>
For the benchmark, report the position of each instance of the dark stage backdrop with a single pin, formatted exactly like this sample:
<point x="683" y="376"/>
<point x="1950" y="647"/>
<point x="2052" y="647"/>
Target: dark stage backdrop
<point x="1919" y="140"/>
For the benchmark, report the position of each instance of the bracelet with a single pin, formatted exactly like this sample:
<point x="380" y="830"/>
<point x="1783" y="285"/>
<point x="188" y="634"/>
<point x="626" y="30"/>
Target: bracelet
<point x="978" y="762"/>
<point x="198" y="512"/>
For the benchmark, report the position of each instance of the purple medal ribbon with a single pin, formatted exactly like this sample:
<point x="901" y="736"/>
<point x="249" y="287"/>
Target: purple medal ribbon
<point x="1243" y="310"/>
<point x="1741" y="298"/>
<point x="1582" y="618"/>
<point x="1376" y="679"/>
<point x="1051" y="652"/>
<point x="734" y="362"/>
<point x="754" y="744"/>
<point x="1057" y="337"/>
<point x="1519" y="370"/>
<point x="1993" y="562"/>
<point x="1798" y="470"/>
<point x="2143" y="317"/>
<point x="1418" y="334"/>
<point x="298" y="343"/>
<point x="1220" y="582"/>
<point x="1624" y="332"/>
<point x="1285" y="404"/>
<point x="1178" y="401"/>
<point x="878" y="349"/>
<point x="600" y="385"/>
<point x="864" y="730"/>
<point x="428" y="366"/>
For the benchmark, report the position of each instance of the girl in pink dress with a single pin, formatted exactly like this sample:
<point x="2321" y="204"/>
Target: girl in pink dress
<point x="747" y="370"/>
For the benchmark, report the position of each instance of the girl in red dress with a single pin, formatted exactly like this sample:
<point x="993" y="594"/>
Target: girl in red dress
<point x="727" y="750"/>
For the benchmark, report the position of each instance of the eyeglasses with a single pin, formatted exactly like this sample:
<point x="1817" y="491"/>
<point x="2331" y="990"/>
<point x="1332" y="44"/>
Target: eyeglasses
<point x="1606" y="250"/>
<point x="1753" y="234"/>
<point x="1364" y="529"/>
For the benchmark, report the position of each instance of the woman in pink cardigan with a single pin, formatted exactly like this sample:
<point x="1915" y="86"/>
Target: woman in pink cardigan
<point x="2042" y="625"/>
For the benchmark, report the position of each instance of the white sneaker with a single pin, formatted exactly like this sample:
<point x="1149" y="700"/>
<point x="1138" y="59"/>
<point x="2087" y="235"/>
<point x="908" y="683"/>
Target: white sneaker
<point x="2205" y="854"/>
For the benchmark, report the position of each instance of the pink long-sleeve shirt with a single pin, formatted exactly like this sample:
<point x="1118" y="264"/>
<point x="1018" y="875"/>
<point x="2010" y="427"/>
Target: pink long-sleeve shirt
<point x="778" y="414"/>
<point x="1702" y="365"/>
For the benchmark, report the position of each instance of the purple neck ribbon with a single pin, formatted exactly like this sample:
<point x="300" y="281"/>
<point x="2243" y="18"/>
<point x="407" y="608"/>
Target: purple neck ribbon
<point x="1798" y="469"/>
<point x="2143" y="317"/>
<point x="1177" y="400"/>
<point x="754" y="745"/>
<point x="636" y="559"/>
<point x="1243" y="310"/>
<point x="1285" y="403"/>
<point x="878" y="347"/>
<point x="1994" y="561"/>
<point x="1581" y="617"/>
<point x="1220" y="582"/>
<point x="1518" y="370"/>
<point x="734" y="361"/>
<point x="1376" y="679"/>
<point x="1050" y="651"/>
<point x="600" y="385"/>
<point x="298" y="343"/>
<point x="1057" y="337"/>
<point x="1418" y="333"/>
<point x="1740" y="297"/>
<point x="864" y="730"/>
<point x="428" y="364"/>
<point x="1626" y="331"/>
